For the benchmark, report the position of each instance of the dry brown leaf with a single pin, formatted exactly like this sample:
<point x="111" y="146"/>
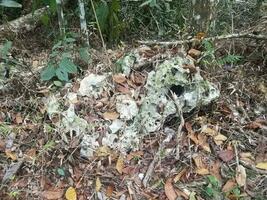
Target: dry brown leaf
<point x="194" y="53"/>
<point x="202" y="171"/>
<point x="123" y="89"/>
<point x="203" y="142"/>
<point x="135" y="154"/>
<point x="226" y="155"/>
<point x="179" y="175"/>
<point x="262" y="165"/>
<point x="71" y="194"/>
<point x="215" y="169"/>
<point x="120" y="164"/>
<point x="98" y="184"/>
<point x="109" y="190"/>
<point x="30" y="154"/>
<point x="111" y="115"/>
<point x="201" y="168"/>
<point x="169" y="190"/>
<point x="241" y="176"/>
<point x="2" y="145"/>
<point x="254" y="125"/>
<point x="219" y="139"/>
<point x="209" y="131"/>
<point x="229" y="185"/>
<point x="52" y="194"/>
<point x="103" y="151"/>
<point x="18" y="118"/>
<point x="193" y="138"/>
<point x="10" y="154"/>
<point x="119" y="78"/>
<point x="138" y="78"/>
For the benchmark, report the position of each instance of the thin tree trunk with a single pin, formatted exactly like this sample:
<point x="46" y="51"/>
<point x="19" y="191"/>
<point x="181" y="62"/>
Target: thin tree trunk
<point x="83" y="23"/>
<point x="60" y="18"/>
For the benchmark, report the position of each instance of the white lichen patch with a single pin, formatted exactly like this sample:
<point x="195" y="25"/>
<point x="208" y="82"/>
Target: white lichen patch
<point x="93" y="85"/>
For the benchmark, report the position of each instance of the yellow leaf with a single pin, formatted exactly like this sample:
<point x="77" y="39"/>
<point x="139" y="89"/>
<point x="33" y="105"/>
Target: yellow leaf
<point x="11" y="155"/>
<point x="202" y="171"/>
<point x="209" y="131"/>
<point x="98" y="184"/>
<point x="220" y="137"/>
<point x="71" y="194"/>
<point x="103" y="151"/>
<point x="120" y="164"/>
<point x="262" y="165"/>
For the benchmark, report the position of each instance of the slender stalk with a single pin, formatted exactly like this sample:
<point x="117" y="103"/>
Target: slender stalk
<point x="60" y="18"/>
<point x="83" y="23"/>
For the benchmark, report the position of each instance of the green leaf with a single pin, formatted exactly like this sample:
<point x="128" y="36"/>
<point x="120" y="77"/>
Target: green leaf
<point x="209" y="191"/>
<point x="84" y="55"/>
<point x="70" y="40"/>
<point x="213" y="180"/>
<point x="10" y="4"/>
<point x="62" y="74"/>
<point x="57" y="83"/>
<point x="5" y="49"/>
<point x="68" y="65"/>
<point x="48" y="73"/>
<point x="45" y="19"/>
<point x="102" y="12"/>
<point x="61" y="171"/>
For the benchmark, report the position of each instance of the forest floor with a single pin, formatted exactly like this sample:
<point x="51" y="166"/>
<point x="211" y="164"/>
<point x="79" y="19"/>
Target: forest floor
<point x="222" y="149"/>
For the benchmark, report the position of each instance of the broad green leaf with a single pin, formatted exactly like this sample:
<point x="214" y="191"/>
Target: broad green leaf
<point x="84" y="55"/>
<point x="48" y="73"/>
<point x="209" y="191"/>
<point x="62" y="74"/>
<point x="68" y="65"/>
<point x="213" y="180"/>
<point x="45" y="19"/>
<point x="5" y="49"/>
<point x="10" y="4"/>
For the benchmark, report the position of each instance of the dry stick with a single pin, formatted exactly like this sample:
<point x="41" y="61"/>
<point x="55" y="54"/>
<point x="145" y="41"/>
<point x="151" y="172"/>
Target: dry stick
<point x="151" y="167"/>
<point x="100" y="32"/>
<point x="222" y="37"/>
<point x="181" y="125"/>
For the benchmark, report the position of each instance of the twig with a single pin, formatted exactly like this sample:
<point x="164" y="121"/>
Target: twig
<point x="222" y="37"/>
<point x="181" y="125"/>
<point x="151" y="167"/>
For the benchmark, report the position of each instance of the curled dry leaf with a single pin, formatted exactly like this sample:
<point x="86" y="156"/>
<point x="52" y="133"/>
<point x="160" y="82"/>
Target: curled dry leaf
<point x="110" y="190"/>
<point x="226" y="155"/>
<point x="111" y="115"/>
<point x="120" y="164"/>
<point x="219" y="139"/>
<point x="169" y="190"/>
<point x="10" y="154"/>
<point x="179" y="175"/>
<point x="52" y="194"/>
<point x="229" y="185"/>
<point x="241" y="176"/>
<point x="119" y="78"/>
